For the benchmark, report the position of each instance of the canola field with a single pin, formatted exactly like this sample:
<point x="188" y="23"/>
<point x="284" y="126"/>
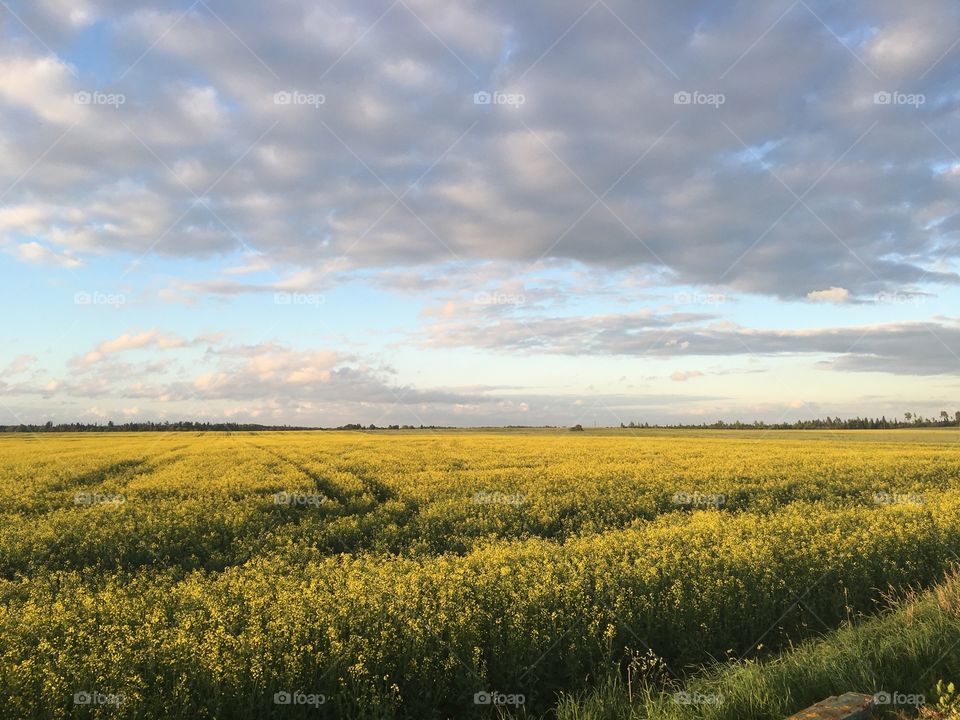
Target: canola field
<point x="440" y="575"/>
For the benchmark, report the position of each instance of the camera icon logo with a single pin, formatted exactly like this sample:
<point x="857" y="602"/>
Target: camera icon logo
<point x="482" y="98"/>
<point x="282" y="698"/>
<point x="682" y="98"/>
<point x="282" y="98"/>
<point x="82" y="98"/>
<point x="482" y="698"/>
<point x="882" y="98"/>
<point x="82" y="698"/>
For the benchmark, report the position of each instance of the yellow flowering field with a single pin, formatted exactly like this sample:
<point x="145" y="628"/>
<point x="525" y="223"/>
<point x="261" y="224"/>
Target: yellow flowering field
<point x="439" y="574"/>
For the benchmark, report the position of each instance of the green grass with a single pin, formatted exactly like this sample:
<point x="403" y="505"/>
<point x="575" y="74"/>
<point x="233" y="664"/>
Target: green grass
<point x="905" y="650"/>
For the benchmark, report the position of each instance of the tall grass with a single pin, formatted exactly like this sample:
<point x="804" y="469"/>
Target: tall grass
<point x="901" y="652"/>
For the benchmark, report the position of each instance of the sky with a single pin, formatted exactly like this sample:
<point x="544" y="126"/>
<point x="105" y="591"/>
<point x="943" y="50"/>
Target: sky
<point x="478" y="213"/>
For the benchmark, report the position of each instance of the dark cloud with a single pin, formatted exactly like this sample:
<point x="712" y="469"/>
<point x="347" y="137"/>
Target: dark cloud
<point x="797" y="181"/>
<point x="907" y="348"/>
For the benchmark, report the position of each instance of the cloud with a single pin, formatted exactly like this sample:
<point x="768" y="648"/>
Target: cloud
<point x="338" y="150"/>
<point x="277" y="383"/>
<point x="43" y="85"/>
<point x="684" y="375"/>
<point x="267" y="379"/>
<point x="253" y="265"/>
<point x="907" y="348"/>
<point x="148" y="339"/>
<point x="320" y="376"/>
<point x="399" y="168"/>
<point x="833" y="295"/>
<point x="124" y="342"/>
<point x="33" y="252"/>
<point x="20" y="364"/>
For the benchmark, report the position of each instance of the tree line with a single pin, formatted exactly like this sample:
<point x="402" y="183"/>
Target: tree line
<point x="147" y="426"/>
<point x="190" y="426"/>
<point x="910" y="420"/>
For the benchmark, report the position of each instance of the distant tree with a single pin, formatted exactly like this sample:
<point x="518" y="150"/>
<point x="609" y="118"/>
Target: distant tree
<point x="577" y="428"/>
<point x="945" y="416"/>
<point x="908" y="416"/>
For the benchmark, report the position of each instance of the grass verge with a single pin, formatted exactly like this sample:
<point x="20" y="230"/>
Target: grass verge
<point x="900" y="654"/>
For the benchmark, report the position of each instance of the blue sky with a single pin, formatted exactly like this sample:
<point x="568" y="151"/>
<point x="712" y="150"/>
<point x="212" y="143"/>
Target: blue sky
<point x="306" y="214"/>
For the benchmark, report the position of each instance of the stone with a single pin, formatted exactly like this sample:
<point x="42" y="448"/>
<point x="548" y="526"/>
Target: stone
<point x="849" y="706"/>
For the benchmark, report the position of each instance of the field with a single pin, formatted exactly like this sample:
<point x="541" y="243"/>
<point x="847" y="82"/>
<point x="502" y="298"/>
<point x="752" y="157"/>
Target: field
<point x="411" y="575"/>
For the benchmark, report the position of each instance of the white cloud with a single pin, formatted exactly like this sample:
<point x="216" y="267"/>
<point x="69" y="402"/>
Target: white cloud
<point x="20" y="364"/>
<point x="34" y="252"/>
<point x="43" y="85"/>
<point x="153" y="339"/>
<point x="833" y="295"/>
